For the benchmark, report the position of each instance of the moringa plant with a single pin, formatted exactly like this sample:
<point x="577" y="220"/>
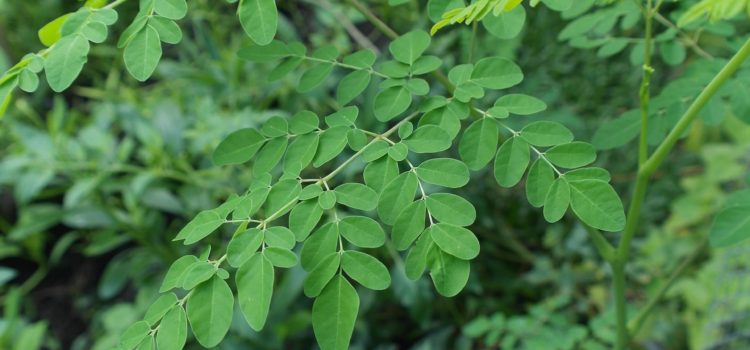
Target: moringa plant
<point x="330" y="194"/>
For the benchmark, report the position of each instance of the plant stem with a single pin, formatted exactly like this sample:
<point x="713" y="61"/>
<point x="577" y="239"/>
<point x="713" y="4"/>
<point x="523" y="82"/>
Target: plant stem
<point x="618" y="282"/>
<point x="623" y="250"/>
<point x="605" y="249"/>
<point x="382" y="26"/>
<point x="645" y="89"/>
<point x="718" y="81"/>
<point x="472" y="43"/>
<point x="647" y="169"/>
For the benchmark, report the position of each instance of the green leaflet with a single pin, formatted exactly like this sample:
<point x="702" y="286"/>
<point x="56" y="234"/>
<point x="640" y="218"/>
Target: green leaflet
<point x="303" y="122"/>
<point x="366" y="269"/>
<point x="478" y="143"/>
<point x="572" y="155"/>
<point x="545" y="134"/>
<point x="172" y="333"/>
<point x="243" y="246"/>
<point x="134" y="334"/>
<point x="444" y="172"/>
<point x="197" y="273"/>
<point x="146" y="344"/>
<point x="396" y="196"/>
<point x="391" y="102"/>
<point x="201" y="226"/>
<point x="254" y="290"/>
<point x="334" y="313"/>
<point x="408" y="47"/>
<point x="168" y="30"/>
<point x="275" y="127"/>
<point x="409" y="225"/>
<point x="521" y="104"/>
<point x="303" y="219"/>
<point x="301" y="152"/>
<point x="321" y="274"/>
<point x="506" y="25"/>
<point x="259" y="19"/>
<point x="398" y="152"/>
<point x="159" y="308"/>
<point x="343" y="117"/>
<point x="274" y="50"/>
<point x="174" y="274"/>
<point x="540" y="178"/>
<point x="454" y="240"/>
<point x="314" y="76"/>
<point x="209" y="311"/>
<point x="362" y="58"/>
<point x="321" y="244"/>
<point x="511" y="161"/>
<point x="596" y="203"/>
<point x="282" y="193"/>
<point x="379" y="173"/>
<point x="496" y="73"/>
<point x="428" y="139"/>
<point x="327" y="200"/>
<point x="557" y="200"/>
<point x="558" y="5"/>
<point x="449" y="274"/>
<point x="65" y="62"/>
<point x="362" y="231"/>
<point x="377" y="149"/>
<point x="279" y="236"/>
<point x="451" y="209"/>
<point x="426" y="64"/>
<point x="332" y="143"/>
<point x="416" y="260"/>
<point x="588" y="174"/>
<point x="172" y="9"/>
<point x="444" y="119"/>
<point x="351" y="86"/>
<point x="238" y="147"/>
<point x="142" y="54"/>
<point x="270" y="154"/>
<point x="357" y="139"/>
<point x="51" y="32"/>
<point x="357" y="196"/>
<point x="281" y="257"/>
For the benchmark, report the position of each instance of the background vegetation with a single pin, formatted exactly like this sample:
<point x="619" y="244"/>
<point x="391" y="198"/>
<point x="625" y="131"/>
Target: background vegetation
<point x="95" y="182"/>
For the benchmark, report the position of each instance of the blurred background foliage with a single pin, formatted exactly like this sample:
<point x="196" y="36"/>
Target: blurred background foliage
<point x="95" y="183"/>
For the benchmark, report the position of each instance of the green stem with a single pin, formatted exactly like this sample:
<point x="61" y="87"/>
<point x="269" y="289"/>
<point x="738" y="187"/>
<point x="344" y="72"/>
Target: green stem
<point x="718" y="81"/>
<point x="623" y="250"/>
<point x="472" y="43"/>
<point x="645" y="88"/>
<point x="380" y="25"/>
<point x="647" y="169"/>
<point x="605" y="249"/>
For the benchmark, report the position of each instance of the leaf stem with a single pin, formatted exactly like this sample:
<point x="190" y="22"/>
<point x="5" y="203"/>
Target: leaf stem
<point x="372" y="18"/>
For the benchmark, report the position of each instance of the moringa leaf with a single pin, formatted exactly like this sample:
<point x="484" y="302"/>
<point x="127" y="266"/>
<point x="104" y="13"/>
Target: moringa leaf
<point x="209" y="311"/>
<point x="259" y="19"/>
<point x="334" y="313"/>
